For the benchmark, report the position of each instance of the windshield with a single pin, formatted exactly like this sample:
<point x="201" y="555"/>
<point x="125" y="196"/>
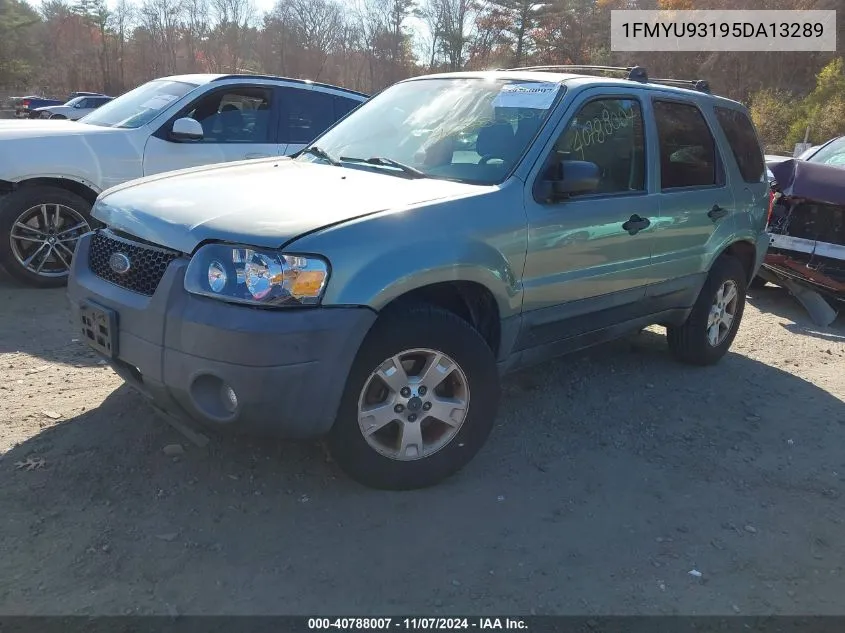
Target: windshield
<point x="74" y="101"/>
<point x="464" y="129"/>
<point x="831" y="154"/>
<point x="139" y="106"/>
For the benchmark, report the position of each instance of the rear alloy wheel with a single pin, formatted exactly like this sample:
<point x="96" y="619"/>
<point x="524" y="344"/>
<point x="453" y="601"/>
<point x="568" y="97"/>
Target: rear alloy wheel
<point x="712" y="324"/>
<point x="39" y="230"/>
<point x="419" y="402"/>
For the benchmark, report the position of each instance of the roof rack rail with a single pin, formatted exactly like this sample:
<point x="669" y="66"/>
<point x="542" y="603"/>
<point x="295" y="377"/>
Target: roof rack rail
<point x="634" y="73"/>
<point x="695" y="84"/>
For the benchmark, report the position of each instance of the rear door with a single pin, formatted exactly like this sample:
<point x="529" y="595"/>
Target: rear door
<point x="238" y="123"/>
<point x="695" y="199"/>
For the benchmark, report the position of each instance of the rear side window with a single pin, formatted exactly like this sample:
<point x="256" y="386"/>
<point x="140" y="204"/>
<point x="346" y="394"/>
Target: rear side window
<point x="687" y="148"/>
<point x="306" y="114"/>
<point x="744" y="144"/>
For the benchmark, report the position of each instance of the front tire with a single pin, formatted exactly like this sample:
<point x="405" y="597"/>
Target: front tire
<point x="39" y="229"/>
<point x="419" y="402"/>
<point x="712" y="325"/>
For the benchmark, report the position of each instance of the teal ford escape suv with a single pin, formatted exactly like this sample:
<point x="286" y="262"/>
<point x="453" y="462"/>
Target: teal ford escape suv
<point x="375" y="287"/>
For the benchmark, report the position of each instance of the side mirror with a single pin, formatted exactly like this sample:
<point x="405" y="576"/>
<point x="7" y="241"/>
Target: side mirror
<point x="186" y="129"/>
<point x="566" y="178"/>
<point x="77" y="106"/>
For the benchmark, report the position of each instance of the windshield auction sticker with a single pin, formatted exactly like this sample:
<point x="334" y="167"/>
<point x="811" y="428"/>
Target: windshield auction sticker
<point x="537" y="95"/>
<point x="740" y="30"/>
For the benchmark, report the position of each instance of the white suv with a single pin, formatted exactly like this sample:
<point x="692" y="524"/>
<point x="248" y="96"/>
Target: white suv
<point x="52" y="171"/>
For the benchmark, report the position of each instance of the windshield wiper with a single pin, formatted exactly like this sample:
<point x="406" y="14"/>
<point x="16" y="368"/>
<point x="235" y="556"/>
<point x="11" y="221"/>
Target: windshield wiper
<point x="389" y="162"/>
<point x="319" y="152"/>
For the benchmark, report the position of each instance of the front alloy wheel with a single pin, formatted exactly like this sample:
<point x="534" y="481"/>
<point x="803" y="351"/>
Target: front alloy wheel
<point x="419" y="402"/>
<point x="40" y="227"/>
<point x="413" y="405"/>
<point x="44" y="237"/>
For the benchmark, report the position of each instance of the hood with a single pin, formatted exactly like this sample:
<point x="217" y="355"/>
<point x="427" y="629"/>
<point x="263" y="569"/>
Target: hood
<point x="263" y="203"/>
<point x="54" y="108"/>
<point x="813" y="181"/>
<point x="44" y="128"/>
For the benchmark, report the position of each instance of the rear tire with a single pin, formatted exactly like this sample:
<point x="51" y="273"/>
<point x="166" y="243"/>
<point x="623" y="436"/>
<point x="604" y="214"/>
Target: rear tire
<point x="19" y="242"/>
<point x="383" y="459"/>
<point x="693" y="342"/>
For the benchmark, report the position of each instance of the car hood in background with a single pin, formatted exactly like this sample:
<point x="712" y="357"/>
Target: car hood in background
<point x="263" y="203"/>
<point x="45" y="128"/>
<point x="814" y="181"/>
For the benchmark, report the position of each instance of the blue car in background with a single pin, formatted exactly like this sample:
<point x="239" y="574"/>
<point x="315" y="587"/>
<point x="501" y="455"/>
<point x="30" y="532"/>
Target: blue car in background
<point x="26" y="107"/>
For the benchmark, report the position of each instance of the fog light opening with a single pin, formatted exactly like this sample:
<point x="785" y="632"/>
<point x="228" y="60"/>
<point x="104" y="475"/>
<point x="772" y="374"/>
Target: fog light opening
<point x="230" y="398"/>
<point x="214" y="398"/>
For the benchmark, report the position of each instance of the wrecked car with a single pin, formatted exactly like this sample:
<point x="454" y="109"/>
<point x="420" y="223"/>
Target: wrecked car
<point x="806" y="228"/>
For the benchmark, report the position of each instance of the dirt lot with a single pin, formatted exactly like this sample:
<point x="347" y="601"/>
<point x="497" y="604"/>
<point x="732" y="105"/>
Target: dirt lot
<point x="611" y="475"/>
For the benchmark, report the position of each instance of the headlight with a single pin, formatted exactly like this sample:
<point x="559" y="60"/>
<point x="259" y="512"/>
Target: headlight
<point x="256" y="276"/>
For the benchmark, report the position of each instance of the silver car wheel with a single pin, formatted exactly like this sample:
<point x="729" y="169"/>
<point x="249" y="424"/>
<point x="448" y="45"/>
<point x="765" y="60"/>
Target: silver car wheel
<point x="722" y="313"/>
<point x="413" y="404"/>
<point x="44" y="237"/>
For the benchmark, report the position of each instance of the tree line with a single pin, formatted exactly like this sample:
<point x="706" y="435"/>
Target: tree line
<point x="366" y="45"/>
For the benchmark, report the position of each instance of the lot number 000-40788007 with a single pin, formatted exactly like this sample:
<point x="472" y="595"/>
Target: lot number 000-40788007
<point x="414" y="623"/>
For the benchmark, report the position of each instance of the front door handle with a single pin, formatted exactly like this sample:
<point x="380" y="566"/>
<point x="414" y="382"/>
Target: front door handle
<point x="717" y="212"/>
<point x="636" y="224"/>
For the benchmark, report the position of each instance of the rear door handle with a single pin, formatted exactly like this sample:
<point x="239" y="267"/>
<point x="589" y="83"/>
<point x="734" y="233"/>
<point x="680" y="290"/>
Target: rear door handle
<point x="636" y="224"/>
<point x="717" y="212"/>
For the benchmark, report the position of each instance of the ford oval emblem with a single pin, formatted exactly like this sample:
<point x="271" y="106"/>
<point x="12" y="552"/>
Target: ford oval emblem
<point x="119" y="263"/>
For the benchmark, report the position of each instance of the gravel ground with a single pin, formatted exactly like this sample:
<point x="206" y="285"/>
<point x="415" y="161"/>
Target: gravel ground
<point x="610" y="476"/>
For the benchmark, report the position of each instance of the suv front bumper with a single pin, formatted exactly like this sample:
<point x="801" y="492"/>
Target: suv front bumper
<point x="287" y="367"/>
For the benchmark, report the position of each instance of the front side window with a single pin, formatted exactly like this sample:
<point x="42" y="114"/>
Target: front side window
<point x="745" y="147"/>
<point x="236" y="115"/>
<point x="464" y="129"/>
<point x="139" y="106"/>
<point x="831" y="154"/>
<point x="609" y="133"/>
<point x="687" y="148"/>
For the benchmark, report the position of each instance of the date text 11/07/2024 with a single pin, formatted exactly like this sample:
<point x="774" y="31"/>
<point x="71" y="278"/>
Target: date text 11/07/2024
<point x="412" y="624"/>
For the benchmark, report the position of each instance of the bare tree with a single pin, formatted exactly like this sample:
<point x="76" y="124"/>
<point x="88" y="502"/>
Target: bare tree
<point x="122" y="19"/>
<point x="197" y="26"/>
<point x="161" y="20"/>
<point x="233" y="17"/>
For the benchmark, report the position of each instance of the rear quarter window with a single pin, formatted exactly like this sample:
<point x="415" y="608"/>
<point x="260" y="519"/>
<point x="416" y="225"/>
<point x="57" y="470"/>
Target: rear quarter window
<point x="739" y="130"/>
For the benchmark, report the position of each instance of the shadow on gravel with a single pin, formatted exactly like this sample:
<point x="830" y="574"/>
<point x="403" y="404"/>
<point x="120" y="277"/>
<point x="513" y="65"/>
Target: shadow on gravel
<point x="778" y="301"/>
<point x="35" y="321"/>
<point x="609" y="476"/>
